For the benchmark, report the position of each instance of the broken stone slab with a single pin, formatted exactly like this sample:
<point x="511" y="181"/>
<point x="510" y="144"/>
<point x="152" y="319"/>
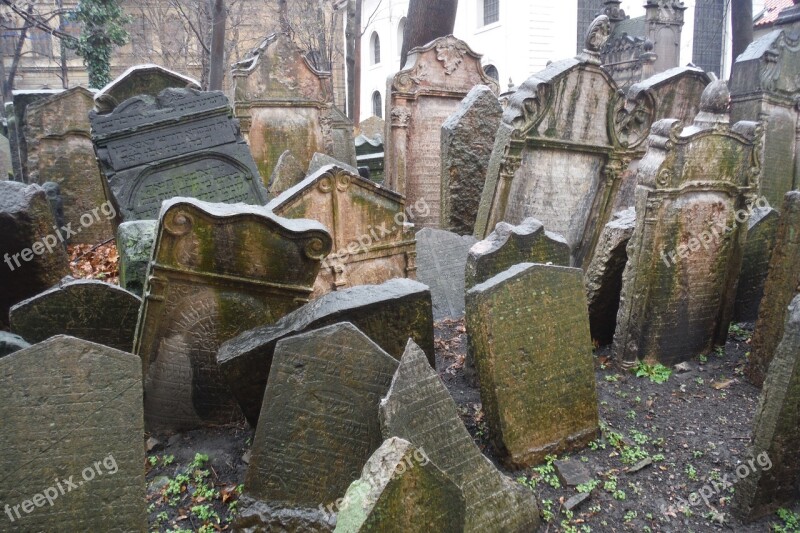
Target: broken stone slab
<point x="135" y="246"/>
<point x="10" y="343"/>
<point x="145" y="79"/>
<point x="388" y="314"/>
<point x="572" y="473"/>
<point x="441" y="262"/>
<point x="288" y="173"/>
<point x="72" y="412"/>
<point x="418" y="408"/>
<point x="761" y="234"/>
<point x="575" y="501"/>
<point x="88" y="309"/>
<point x="400" y="489"/>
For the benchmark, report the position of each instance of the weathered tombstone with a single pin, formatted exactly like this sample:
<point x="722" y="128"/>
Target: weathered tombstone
<point x="6" y="170"/>
<point x="181" y="143"/>
<point x="319" y="423"/>
<point x="529" y="336"/>
<point x="16" y="114"/>
<point x="139" y="80"/>
<point x="91" y="310"/>
<point x="389" y="314"/>
<point x="441" y="261"/>
<point x="372" y="127"/>
<point x="10" y="343"/>
<point x="217" y="270"/>
<point x="419" y="409"/>
<point x="60" y="150"/>
<point x="371" y="241"/>
<point x="33" y="256"/>
<point x="761" y="233"/>
<point x="370" y="156"/>
<point x="436" y="77"/>
<point x="782" y="285"/>
<point x="679" y="284"/>
<point x="400" y="489"/>
<point x="56" y="201"/>
<point x="134" y="246"/>
<point x="286" y="175"/>
<point x="773" y="482"/>
<point x="73" y="456"/>
<point x="467" y="140"/>
<point x="344" y="148"/>
<point x="319" y="161"/>
<point x="510" y="245"/>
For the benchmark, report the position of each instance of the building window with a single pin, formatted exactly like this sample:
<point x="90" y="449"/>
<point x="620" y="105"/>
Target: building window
<point x="401" y="30"/>
<point x="491" y="71"/>
<point x="10" y="37"/>
<point x="491" y="11"/>
<point x="375" y="48"/>
<point x="377" y="104"/>
<point x="41" y="42"/>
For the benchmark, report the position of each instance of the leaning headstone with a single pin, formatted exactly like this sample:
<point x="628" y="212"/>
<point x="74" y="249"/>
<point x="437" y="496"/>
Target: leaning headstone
<point x="419" y="409"/>
<point x="401" y="490"/>
<point x="91" y="310"/>
<point x="72" y="435"/>
<point x="389" y="314"/>
<point x="467" y="140"/>
<point x="782" y="285"/>
<point x="217" y="270"/>
<point x="441" y="260"/>
<point x="288" y="173"/>
<point x="138" y="80"/>
<point x="134" y="246"/>
<point x="772" y="481"/>
<point x="436" y="77"/>
<point x="761" y="233"/>
<point x="16" y="114"/>
<point x="181" y="143"/>
<point x="319" y="161"/>
<point x="529" y="336"/>
<point x="33" y="255"/>
<point x="10" y="343"/>
<point x="510" y="245"/>
<point x="319" y="423"/>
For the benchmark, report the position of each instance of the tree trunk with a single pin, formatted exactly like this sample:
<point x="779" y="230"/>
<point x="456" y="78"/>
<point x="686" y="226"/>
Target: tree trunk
<point x="62" y="49"/>
<point x="427" y="21"/>
<point x="217" y="61"/>
<point x="350" y="33"/>
<point x="742" y="25"/>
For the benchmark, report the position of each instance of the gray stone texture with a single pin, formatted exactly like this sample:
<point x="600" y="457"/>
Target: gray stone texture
<point x="287" y="173"/>
<point x="138" y="80"/>
<point x="134" y="246"/>
<point x="762" y="230"/>
<point x="441" y="263"/>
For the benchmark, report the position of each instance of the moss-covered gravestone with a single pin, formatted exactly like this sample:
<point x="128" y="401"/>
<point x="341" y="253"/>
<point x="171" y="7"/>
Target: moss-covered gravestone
<point x="134" y="246"/>
<point x="400" y="490"/>
<point x="419" y="409"/>
<point x="217" y="271"/>
<point x="529" y="336"/>
<point x="72" y="439"/>
<point x="319" y="424"/>
<point x="147" y="79"/>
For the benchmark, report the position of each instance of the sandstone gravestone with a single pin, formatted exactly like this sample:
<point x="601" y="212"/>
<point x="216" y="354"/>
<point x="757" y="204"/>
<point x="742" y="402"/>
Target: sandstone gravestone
<point x="529" y="336"/>
<point x="72" y="412"/>
<point x="342" y="132"/>
<point x="372" y="127"/>
<point x="16" y="113"/>
<point x="288" y="173"/>
<point x="762" y="227"/>
<point x="776" y="431"/>
<point x="679" y="284"/>
<point x="10" y="343"/>
<point x="56" y="201"/>
<point x="319" y="161"/>
<point x="782" y="285"/>
<point x="401" y="490"/>
<point x="388" y="314"/>
<point x="181" y="143"/>
<point x="319" y="420"/>
<point x="441" y="260"/>
<point x="59" y="144"/>
<point x="419" y="409"/>
<point x="138" y="80"/>
<point x="467" y="140"/>
<point x="91" y="310"/>
<point x="34" y="258"/>
<point x="510" y="245"/>
<point x="134" y="246"/>
<point x="371" y="241"/>
<point x="217" y="270"/>
<point x="436" y="77"/>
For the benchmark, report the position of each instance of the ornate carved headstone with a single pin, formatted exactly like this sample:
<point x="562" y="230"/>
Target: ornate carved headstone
<point x="72" y="438"/>
<point x="762" y="228"/>
<point x="181" y="143"/>
<point x="441" y="263"/>
<point x="140" y="80"/>
<point x="134" y="246"/>
<point x="217" y="270"/>
<point x="422" y="96"/>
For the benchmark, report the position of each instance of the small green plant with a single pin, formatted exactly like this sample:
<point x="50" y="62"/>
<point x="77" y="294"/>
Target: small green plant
<point x="153" y="460"/>
<point x="657" y="373"/>
<point x="610" y="485"/>
<point x="200" y="460"/>
<point x="691" y="472"/>
<point x="618" y="495"/>
<point x="167" y="460"/>
<point x="703" y="359"/>
<point x="699" y="380"/>
<point x="162" y="517"/>
<point x="631" y="415"/>
<point x="639" y="437"/>
<point x="547" y="510"/>
<point x="738" y="333"/>
<point x="658" y="457"/>
<point x="629" y="516"/>
<point x="719" y="351"/>
<point x="177" y="485"/>
<point x="205" y="491"/>
<point x="205" y="513"/>
<point x="612" y="378"/>
<point x="697" y="454"/>
<point x="597" y="445"/>
<point x="527" y="482"/>
<point x="791" y="522"/>
<point x="547" y="472"/>
<point x="589" y="486"/>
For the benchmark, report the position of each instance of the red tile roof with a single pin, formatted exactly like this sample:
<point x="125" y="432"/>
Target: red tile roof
<point x="771" y="10"/>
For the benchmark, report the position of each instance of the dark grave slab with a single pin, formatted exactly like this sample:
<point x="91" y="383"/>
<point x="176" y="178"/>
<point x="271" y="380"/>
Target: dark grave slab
<point x="762" y="229"/>
<point x="146" y="79"/>
<point x="441" y="260"/>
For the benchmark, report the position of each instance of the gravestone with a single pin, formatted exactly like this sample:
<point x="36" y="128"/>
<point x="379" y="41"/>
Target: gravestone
<point x="16" y="113"/>
<point x="319" y="421"/>
<point x="776" y="431"/>
<point x="344" y="148"/>
<point x="217" y="270"/>
<point x="372" y="127"/>
<point x="59" y="144"/>
<point x="139" y="80"/>
<point x="401" y="490"/>
<point x="441" y="260"/>
<point x="6" y="170"/>
<point x="467" y="140"/>
<point x="389" y="314"/>
<point x="436" y="77"/>
<point x="762" y="227"/>
<point x="33" y="256"/>
<point x="56" y="201"/>
<point x="134" y="246"/>
<point x="781" y="286"/>
<point x="91" y="310"/>
<point x="286" y="175"/>
<point x="319" y="161"/>
<point x="73" y="456"/>
<point x="418" y="408"/>
<point x="510" y="245"/>
<point x="371" y="241"/>
<point x="529" y="336"/>
<point x="181" y="143"/>
<point x="679" y="284"/>
<point x="10" y="343"/>
<point x="370" y="156"/>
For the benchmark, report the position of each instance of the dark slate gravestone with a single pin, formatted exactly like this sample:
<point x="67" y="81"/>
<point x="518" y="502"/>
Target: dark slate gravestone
<point x="182" y="143"/>
<point x="388" y="314"/>
<point x="441" y="260"/>
<point x="773" y="476"/>
<point x="147" y="79"/>
<point x="761" y="233"/>
<point x="319" y="422"/>
<point x="87" y="309"/>
<point x="10" y="343"/>
<point x="134" y="246"/>
<point x="72" y="439"/>
<point x="419" y="409"/>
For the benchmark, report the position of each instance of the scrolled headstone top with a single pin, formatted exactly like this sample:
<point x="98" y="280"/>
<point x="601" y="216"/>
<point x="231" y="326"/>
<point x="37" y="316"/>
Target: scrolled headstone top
<point x="716" y="98"/>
